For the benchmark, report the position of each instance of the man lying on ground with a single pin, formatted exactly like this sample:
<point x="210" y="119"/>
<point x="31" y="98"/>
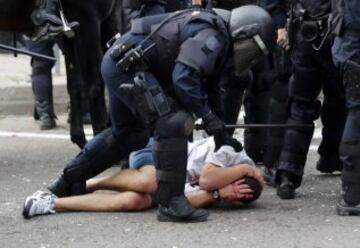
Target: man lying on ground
<point x="212" y="176"/>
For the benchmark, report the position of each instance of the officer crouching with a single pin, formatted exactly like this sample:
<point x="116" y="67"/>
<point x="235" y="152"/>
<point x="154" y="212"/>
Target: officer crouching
<point x="160" y="76"/>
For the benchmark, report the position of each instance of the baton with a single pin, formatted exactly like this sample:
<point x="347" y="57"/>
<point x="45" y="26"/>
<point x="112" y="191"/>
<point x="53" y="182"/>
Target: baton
<point x="69" y="33"/>
<point x="243" y="126"/>
<point x="26" y="52"/>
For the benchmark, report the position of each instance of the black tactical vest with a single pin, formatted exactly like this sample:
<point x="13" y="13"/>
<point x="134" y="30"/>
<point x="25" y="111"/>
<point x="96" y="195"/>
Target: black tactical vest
<point x="173" y="33"/>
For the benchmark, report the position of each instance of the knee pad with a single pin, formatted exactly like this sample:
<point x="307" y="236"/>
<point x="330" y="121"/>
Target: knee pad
<point x="304" y="111"/>
<point x="305" y="84"/>
<point x="170" y="156"/>
<point x="40" y="67"/>
<point x="179" y="124"/>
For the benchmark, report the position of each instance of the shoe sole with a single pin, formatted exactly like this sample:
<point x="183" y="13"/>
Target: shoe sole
<point x="163" y="218"/>
<point x="347" y="211"/>
<point x="286" y="194"/>
<point x="326" y="170"/>
<point x="26" y="209"/>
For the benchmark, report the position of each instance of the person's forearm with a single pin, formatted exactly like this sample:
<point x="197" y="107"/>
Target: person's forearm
<point x="200" y="198"/>
<point x="215" y="177"/>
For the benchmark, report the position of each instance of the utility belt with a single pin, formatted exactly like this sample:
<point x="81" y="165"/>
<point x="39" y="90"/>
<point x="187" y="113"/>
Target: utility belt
<point x="314" y="30"/>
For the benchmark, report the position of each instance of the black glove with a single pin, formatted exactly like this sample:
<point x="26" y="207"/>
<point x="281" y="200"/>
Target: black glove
<point x="225" y="139"/>
<point x="213" y="125"/>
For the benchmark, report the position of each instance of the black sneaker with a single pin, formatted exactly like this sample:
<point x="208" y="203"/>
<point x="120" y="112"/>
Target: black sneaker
<point x="180" y="210"/>
<point x="345" y="209"/>
<point x="329" y="164"/>
<point x="285" y="188"/>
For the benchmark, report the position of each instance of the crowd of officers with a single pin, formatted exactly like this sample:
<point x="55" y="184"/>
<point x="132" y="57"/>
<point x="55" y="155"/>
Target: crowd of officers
<point x="318" y="51"/>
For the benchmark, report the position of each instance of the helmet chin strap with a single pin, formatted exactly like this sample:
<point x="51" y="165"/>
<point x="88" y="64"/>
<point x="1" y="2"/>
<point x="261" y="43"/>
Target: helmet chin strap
<point x="261" y="44"/>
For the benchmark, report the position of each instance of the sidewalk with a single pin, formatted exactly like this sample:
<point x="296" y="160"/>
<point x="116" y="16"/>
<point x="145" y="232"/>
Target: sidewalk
<point x="16" y="97"/>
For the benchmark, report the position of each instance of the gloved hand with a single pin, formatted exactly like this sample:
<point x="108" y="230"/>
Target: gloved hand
<point x="213" y="125"/>
<point x="226" y="139"/>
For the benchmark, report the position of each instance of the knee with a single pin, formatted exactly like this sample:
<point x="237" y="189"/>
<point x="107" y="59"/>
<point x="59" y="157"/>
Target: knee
<point x="306" y="111"/>
<point x="132" y="202"/>
<point x="147" y="183"/>
<point x="108" y="68"/>
<point x="180" y="124"/>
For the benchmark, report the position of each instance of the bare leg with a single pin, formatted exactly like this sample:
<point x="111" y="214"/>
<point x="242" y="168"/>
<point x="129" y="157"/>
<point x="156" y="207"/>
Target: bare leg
<point x="141" y="181"/>
<point x="105" y="202"/>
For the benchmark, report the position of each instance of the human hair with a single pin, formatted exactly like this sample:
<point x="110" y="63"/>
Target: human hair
<point x="256" y="186"/>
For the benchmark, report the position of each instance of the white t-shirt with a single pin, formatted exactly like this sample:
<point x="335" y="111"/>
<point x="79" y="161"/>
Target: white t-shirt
<point x="201" y="152"/>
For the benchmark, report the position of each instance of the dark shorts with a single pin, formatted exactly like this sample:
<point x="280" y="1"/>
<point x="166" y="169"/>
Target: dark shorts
<point x="142" y="157"/>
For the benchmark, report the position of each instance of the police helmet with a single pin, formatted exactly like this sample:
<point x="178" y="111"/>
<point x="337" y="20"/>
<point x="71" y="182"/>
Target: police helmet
<point x="253" y="33"/>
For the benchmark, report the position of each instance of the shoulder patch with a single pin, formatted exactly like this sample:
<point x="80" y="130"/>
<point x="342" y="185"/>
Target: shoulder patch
<point x="212" y="43"/>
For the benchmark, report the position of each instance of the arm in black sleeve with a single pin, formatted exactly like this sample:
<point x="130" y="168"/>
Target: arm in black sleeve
<point x="197" y="60"/>
<point x="188" y="88"/>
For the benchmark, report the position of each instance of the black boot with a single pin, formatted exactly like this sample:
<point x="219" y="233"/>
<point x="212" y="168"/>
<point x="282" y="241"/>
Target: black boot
<point x="45" y="113"/>
<point x="344" y="209"/>
<point x="329" y="164"/>
<point x="285" y="188"/>
<point x="180" y="210"/>
<point x="47" y="22"/>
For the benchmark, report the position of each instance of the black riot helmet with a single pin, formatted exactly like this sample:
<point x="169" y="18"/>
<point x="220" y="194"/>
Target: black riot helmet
<point x="253" y="34"/>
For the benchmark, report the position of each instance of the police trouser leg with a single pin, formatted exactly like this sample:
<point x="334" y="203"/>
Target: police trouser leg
<point x="256" y="104"/>
<point x="350" y="146"/>
<point x="277" y="114"/>
<point x="41" y="81"/>
<point x="97" y="156"/>
<point x="304" y="108"/>
<point x="234" y="87"/>
<point x="333" y="114"/>
<point x="170" y="153"/>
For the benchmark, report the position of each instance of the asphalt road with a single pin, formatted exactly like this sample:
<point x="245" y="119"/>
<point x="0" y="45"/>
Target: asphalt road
<point x="29" y="159"/>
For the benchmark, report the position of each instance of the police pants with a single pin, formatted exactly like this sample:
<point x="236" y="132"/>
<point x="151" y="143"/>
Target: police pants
<point x="41" y="69"/>
<point x="313" y="71"/>
<point x="347" y="48"/>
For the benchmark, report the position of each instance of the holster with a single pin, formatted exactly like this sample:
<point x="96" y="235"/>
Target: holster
<point x="149" y="99"/>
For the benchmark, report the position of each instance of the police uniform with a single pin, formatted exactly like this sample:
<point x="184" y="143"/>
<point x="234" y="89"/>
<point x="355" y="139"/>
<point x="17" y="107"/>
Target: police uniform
<point x="161" y="75"/>
<point x="281" y="67"/>
<point x="41" y="80"/>
<point x="346" y="54"/>
<point x="313" y="71"/>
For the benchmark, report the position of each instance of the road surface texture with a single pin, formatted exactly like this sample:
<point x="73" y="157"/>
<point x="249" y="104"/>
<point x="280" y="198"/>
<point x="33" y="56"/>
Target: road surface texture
<point x="30" y="159"/>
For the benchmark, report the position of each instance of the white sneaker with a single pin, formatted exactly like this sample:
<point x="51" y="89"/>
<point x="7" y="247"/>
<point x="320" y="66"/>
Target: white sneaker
<point x="39" y="203"/>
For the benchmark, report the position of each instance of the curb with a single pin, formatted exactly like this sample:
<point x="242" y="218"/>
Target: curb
<point x="19" y="100"/>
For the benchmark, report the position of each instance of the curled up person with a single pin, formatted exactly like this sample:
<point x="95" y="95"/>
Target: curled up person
<point x="213" y="176"/>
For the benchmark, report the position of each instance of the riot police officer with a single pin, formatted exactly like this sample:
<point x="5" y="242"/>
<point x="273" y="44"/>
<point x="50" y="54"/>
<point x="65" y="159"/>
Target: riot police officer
<point x="346" y="54"/>
<point x="311" y="41"/>
<point x="161" y="75"/>
<point x="41" y="82"/>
